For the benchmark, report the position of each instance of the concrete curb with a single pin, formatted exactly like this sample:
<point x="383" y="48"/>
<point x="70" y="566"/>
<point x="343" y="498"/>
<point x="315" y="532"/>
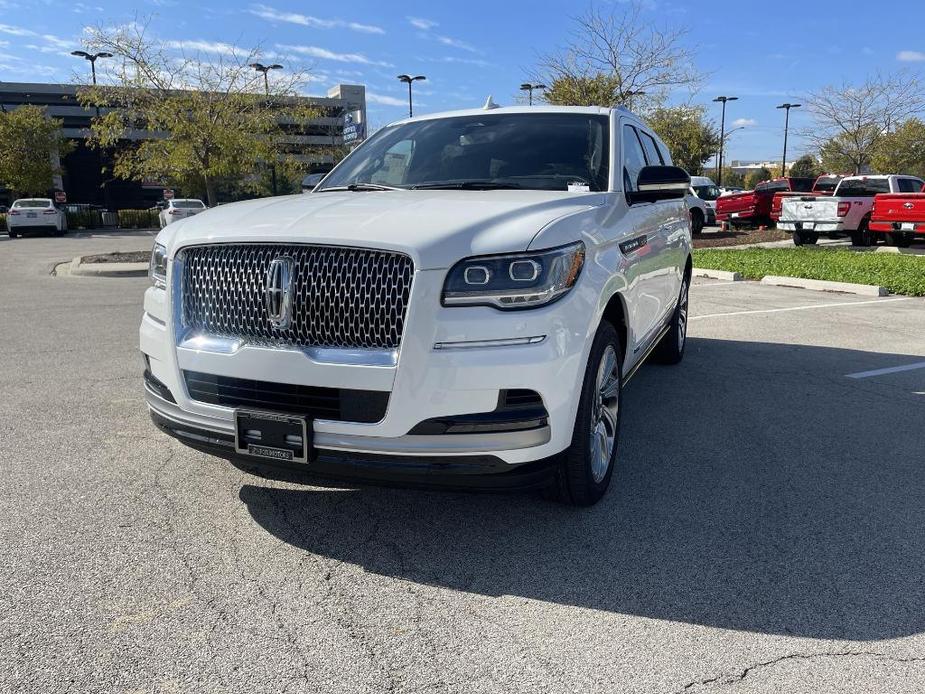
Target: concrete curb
<point x="80" y="269"/>
<point x="724" y="275"/>
<point x="826" y="286"/>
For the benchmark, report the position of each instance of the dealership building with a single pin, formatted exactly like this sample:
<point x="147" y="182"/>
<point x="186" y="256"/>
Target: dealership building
<point x="341" y="121"/>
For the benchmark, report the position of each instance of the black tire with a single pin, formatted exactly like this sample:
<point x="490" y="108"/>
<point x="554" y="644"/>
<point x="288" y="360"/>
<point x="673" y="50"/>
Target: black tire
<point x="583" y="475"/>
<point x="696" y="222"/>
<point x="862" y="237"/>
<point x="670" y="349"/>
<point x="13" y="234"/>
<point x="804" y="238"/>
<point x="900" y="239"/>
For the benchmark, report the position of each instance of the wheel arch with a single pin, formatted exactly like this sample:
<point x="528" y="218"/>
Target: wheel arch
<point x="615" y="313"/>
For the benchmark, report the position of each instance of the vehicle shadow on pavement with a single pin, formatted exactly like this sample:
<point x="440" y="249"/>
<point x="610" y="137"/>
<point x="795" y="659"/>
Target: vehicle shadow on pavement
<point x="758" y="489"/>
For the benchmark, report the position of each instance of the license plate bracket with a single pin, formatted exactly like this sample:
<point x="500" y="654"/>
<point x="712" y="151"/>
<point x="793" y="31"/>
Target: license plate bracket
<point x="273" y="436"/>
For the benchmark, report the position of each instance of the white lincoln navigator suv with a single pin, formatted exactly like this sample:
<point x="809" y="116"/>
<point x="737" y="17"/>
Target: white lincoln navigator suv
<point x="460" y="302"/>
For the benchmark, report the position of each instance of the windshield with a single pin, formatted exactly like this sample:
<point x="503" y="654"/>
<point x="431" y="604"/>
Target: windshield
<point x="802" y="185"/>
<point x="38" y="202"/>
<point x="189" y="204"/>
<point x="538" y="151"/>
<point x="863" y="187"/>
<point x="707" y="192"/>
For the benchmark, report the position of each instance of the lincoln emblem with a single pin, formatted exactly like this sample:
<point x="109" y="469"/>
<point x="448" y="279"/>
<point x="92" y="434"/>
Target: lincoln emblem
<point x="280" y="276"/>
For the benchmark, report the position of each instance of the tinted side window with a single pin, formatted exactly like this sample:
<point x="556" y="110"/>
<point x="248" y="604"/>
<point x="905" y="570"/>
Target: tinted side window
<point x="653" y="156"/>
<point x="909" y="185"/>
<point x="633" y="158"/>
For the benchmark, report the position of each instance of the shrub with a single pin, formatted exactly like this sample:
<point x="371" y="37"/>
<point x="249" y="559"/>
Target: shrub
<point x="87" y="219"/>
<point x="138" y="219"/>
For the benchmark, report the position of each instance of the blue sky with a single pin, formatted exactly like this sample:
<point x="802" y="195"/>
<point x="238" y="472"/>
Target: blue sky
<point x="764" y="53"/>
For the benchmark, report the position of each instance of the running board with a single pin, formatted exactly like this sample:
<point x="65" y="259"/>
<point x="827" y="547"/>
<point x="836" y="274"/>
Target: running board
<point x="645" y="355"/>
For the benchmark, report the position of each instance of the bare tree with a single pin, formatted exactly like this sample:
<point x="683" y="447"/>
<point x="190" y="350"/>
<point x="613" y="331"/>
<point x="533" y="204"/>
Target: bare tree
<point x="850" y="120"/>
<point x="616" y="58"/>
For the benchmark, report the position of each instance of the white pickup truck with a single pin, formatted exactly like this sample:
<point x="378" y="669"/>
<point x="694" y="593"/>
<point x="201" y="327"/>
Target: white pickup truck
<point x="847" y="212"/>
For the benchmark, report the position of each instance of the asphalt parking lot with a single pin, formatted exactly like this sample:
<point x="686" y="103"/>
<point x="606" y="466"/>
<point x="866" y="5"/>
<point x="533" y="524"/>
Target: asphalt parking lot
<point x="764" y="530"/>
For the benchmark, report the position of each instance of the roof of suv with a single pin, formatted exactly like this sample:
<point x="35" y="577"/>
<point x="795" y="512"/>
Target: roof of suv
<point x="542" y="108"/>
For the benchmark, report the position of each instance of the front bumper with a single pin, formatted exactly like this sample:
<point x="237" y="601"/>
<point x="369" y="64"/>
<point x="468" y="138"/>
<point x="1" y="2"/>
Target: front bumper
<point x="482" y="472"/>
<point x="423" y="382"/>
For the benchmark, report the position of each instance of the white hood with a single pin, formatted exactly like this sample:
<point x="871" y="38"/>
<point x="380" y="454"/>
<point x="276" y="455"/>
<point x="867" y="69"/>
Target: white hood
<point x="436" y="228"/>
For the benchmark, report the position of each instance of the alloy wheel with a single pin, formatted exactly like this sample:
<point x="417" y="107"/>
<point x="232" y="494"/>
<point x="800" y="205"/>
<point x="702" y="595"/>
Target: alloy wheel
<point x="604" y="414"/>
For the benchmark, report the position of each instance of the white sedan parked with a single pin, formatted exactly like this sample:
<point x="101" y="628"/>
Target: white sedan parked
<point x="180" y="209"/>
<point x="35" y="214"/>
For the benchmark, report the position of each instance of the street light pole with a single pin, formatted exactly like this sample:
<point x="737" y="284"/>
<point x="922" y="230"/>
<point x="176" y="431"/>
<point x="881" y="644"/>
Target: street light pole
<point x="265" y="69"/>
<point x="92" y="57"/>
<point x="722" y="136"/>
<point x="787" y="107"/>
<point x="408" y="79"/>
<point x="529" y="87"/>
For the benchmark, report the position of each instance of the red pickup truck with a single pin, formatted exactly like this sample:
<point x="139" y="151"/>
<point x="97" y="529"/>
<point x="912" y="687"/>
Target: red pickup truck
<point x="824" y="185"/>
<point x="753" y="207"/>
<point x="901" y="216"/>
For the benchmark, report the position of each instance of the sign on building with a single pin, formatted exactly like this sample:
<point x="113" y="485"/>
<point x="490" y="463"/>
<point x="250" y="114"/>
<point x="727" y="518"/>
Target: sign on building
<point x="354" y="128"/>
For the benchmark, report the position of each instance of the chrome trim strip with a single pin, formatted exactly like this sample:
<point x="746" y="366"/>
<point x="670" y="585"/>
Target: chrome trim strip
<point x="217" y="344"/>
<point x="444" y="444"/>
<point x="478" y="344"/>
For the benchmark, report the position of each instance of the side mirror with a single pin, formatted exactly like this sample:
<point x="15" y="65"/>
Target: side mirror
<point x="660" y="183"/>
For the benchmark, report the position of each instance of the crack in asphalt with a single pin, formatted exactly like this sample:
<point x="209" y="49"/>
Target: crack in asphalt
<point x="738" y="677"/>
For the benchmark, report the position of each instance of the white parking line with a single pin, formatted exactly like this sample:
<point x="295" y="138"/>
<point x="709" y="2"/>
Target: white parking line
<point x="889" y="370"/>
<point x="802" y="308"/>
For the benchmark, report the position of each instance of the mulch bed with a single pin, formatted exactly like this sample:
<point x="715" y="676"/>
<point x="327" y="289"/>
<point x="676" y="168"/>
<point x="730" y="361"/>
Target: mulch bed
<point x="731" y="237"/>
<point x="132" y="257"/>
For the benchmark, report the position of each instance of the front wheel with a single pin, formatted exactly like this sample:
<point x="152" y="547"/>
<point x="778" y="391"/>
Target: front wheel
<point x="586" y="467"/>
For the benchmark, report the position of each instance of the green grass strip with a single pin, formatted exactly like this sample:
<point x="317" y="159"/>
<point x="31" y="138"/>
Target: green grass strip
<point x="901" y="274"/>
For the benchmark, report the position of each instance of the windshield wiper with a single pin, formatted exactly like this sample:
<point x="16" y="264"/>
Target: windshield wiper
<point x="466" y="185"/>
<point x="359" y="187"/>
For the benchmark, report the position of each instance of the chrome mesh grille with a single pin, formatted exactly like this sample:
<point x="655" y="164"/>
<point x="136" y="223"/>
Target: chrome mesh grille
<point x="342" y="297"/>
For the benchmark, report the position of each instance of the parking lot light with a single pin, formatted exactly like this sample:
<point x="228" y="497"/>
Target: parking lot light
<point x="529" y="87"/>
<point x="787" y="106"/>
<point x="265" y="69"/>
<point x="722" y="135"/>
<point x="408" y="79"/>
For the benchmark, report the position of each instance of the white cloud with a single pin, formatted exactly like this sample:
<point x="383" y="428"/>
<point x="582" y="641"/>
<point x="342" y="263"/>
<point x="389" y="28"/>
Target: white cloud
<point x="325" y="54"/>
<point x="384" y="100"/>
<point x="463" y="61"/>
<point x="421" y="23"/>
<point x="275" y="15"/>
<point x="16" y="31"/>
<point x="744" y="122"/>
<point x="911" y="56"/>
<point x="456" y="43"/>
<point x="202" y="46"/>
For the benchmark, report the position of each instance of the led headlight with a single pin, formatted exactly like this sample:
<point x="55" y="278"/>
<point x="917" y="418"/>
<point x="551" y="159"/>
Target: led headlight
<point x="521" y="280"/>
<point x="157" y="270"/>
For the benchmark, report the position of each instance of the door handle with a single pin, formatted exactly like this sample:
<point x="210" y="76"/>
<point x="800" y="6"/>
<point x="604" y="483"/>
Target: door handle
<point x="633" y="244"/>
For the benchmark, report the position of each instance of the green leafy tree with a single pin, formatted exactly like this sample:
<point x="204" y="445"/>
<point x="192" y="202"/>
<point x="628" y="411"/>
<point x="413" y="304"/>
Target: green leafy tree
<point x="731" y="177"/>
<point x="618" y="58"/>
<point x="753" y="178"/>
<point x="903" y="150"/>
<point x="32" y="148"/>
<point x="836" y="157"/>
<point x="806" y="167"/>
<point x="194" y="123"/>
<point x="691" y="138"/>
